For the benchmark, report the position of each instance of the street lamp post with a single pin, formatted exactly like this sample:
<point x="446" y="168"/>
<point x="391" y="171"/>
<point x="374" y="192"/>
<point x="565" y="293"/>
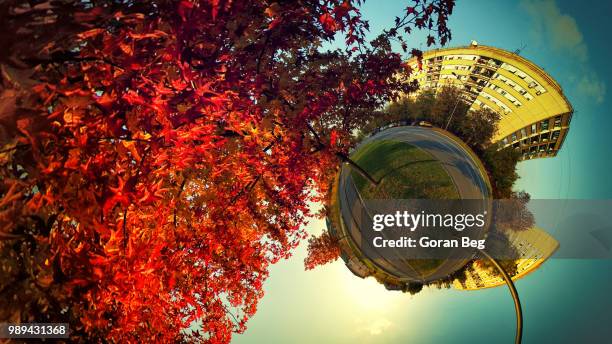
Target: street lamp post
<point x="517" y="302"/>
<point x="450" y="118"/>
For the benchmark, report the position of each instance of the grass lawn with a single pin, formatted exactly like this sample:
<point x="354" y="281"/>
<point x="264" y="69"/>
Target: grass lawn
<point x="404" y="171"/>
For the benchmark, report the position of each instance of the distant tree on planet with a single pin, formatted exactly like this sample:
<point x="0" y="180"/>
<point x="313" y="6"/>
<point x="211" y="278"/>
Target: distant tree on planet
<point x="157" y="156"/>
<point x="413" y="288"/>
<point x="501" y="165"/>
<point x="322" y="249"/>
<point x="474" y="127"/>
<point x="512" y="214"/>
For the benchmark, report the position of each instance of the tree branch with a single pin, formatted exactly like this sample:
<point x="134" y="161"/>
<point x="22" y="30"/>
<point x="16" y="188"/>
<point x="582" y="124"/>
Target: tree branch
<point x="124" y="229"/>
<point x="250" y="185"/>
<point x="14" y="148"/>
<point x="263" y="50"/>
<point x="178" y="195"/>
<point x="69" y="57"/>
<point x="9" y="236"/>
<point x="343" y="157"/>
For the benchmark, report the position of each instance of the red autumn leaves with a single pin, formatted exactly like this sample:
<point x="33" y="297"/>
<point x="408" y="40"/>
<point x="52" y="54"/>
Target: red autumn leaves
<point x="163" y="157"/>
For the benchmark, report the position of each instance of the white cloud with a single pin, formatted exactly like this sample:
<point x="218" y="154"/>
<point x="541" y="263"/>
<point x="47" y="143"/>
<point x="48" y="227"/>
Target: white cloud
<point x="590" y="85"/>
<point x="378" y="326"/>
<point x="561" y="32"/>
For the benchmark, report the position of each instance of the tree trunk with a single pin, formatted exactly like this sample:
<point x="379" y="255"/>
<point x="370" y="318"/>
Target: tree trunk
<point x="344" y="158"/>
<point x="9" y="236"/>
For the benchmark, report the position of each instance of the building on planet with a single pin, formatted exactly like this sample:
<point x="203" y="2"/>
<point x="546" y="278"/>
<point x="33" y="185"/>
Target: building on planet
<point x="535" y="114"/>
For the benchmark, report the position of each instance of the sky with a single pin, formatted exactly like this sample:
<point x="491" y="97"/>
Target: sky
<point x="566" y="300"/>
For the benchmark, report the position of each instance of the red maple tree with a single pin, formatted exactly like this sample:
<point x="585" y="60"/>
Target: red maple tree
<point x="158" y="156"/>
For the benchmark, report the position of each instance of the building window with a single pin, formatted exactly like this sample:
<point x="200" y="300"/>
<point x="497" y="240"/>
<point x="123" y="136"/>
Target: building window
<point x="545" y="137"/>
<point x="523" y="132"/>
<point x="544" y="125"/>
<point x="533" y="128"/>
<point x="558" y="122"/>
<point x="505" y="141"/>
<point x="513" y="137"/>
<point x="555" y="135"/>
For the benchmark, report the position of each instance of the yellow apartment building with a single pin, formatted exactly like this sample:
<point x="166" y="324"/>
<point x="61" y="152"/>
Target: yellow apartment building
<point x="535" y="115"/>
<point x="534" y="246"/>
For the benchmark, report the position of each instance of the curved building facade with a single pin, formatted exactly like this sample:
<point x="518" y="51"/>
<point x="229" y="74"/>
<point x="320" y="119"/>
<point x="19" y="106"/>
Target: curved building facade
<point x="534" y="246"/>
<point x="535" y="115"/>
